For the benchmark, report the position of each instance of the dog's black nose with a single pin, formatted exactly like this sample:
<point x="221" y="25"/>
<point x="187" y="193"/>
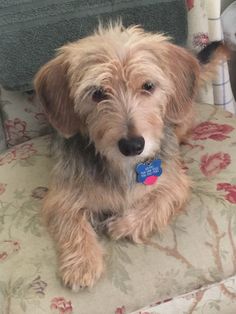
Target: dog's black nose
<point x="132" y="146"/>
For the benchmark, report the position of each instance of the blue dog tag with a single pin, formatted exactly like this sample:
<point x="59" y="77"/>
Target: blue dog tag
<point x="148" y="173"/>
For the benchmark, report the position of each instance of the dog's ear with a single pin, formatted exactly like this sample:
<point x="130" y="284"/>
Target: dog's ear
<point x="184" y="72"/>
<point x="52" y="87"/>
<point x="188" y="72"/>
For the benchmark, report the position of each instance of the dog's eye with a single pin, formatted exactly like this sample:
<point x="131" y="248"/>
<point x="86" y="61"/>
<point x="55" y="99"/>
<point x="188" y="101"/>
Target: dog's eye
<point x="148" y="86"/>
<point x="99" y="95"/>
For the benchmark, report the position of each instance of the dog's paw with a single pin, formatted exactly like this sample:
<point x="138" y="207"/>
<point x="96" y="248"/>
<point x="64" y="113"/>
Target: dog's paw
<point x="83" y="273"/>
<point x="125" y="227"/>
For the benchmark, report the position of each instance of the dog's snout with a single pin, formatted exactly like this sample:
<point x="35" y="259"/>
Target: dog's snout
<point x="131" y="146"/>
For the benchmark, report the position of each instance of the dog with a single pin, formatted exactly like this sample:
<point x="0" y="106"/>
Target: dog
<point x="120" y="100"/>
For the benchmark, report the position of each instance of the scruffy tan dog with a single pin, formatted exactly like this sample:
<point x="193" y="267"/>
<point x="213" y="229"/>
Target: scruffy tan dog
<point x="120" y="100"/>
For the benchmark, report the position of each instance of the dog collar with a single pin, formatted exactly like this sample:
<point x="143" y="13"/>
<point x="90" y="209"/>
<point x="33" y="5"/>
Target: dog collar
<point x="148" y="172"/>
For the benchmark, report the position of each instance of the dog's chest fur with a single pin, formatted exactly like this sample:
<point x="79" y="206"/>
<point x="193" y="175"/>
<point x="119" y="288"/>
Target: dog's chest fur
<point x="102" y="185"/>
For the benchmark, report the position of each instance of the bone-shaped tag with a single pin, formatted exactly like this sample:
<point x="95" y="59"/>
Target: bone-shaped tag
<point x="148" y="173"/>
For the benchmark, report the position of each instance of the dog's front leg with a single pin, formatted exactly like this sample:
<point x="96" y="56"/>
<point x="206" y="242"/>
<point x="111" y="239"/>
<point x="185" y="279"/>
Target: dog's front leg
<point x="80" y="254"/>
<point x="153" y="212"/>
<point x="139" y="223"/>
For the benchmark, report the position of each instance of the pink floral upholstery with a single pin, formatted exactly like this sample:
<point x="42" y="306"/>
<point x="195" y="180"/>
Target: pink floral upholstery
<point x="61" y="305"/>
<point x="20" y="153"/>
<point x="190" y="268"/>
<point x="209" y="130"/>
<point x="23" y="117"/>
<point x="212" y="164"/>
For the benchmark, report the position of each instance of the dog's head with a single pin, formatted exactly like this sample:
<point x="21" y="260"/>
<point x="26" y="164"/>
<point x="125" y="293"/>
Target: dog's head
<point x="117" y="87"/>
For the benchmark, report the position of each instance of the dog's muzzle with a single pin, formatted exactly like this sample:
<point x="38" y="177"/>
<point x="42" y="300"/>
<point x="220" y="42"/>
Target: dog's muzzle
<point x="132" y="146"/>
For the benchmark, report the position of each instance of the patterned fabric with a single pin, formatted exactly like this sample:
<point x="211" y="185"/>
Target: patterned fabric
<point x="218" y="298"/>
<point x="23" y="117"/>
<point x="197" y="250"/>
<point x="204" y="26"/>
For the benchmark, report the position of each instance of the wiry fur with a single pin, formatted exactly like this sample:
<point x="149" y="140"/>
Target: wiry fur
<point x="91" y="177"/>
